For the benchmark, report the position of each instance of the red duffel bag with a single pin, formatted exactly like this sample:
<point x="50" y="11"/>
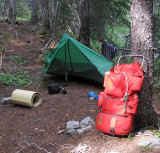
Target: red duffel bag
<point x="114" y="124"/>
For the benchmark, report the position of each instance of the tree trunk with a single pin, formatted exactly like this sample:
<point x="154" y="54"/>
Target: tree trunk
<point x="34" y="16"/>
<point x="14" y="9"/>
<point x="84" y="36"/>
<point x="75" y="23"/>
<point x="98" y="19"/>
<point x="9" y="11"/>
<point x="142" y="43"/>
<point x="1" y="13"/>
<point x="57" y="6"/>
<point x="45" y="13"/>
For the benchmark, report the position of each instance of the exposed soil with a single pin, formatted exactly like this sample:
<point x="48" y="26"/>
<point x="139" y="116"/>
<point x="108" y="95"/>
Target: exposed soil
<point x="39" y="129"/>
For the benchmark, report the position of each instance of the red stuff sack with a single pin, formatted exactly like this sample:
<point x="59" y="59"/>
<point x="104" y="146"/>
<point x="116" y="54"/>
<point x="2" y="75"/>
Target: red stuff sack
<point x="114" y="124"/>
<point x="133" y="73"/>
<point x="115" y="84"/>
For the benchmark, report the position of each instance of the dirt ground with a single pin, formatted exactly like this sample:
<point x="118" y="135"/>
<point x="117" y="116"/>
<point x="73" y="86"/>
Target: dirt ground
<point x="43" y="129"/>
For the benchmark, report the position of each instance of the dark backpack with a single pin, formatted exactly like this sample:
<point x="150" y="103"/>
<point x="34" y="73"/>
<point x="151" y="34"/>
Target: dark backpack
<point x="53" y="88"/>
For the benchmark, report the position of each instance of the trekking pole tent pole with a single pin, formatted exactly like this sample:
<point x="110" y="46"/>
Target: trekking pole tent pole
<point x="65" y="67"/>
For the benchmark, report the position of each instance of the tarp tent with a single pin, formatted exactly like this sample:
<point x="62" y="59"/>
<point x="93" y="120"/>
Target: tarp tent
<point x="71" y="57"/>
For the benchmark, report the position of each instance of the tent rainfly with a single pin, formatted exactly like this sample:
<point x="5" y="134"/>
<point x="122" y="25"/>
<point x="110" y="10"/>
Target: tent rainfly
<point x="71" y="57"/>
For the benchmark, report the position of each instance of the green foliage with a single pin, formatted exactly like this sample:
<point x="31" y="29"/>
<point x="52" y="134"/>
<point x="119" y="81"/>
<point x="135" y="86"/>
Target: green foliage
<point x="118" y="34"/>
<point x="7" y="79"/>
<point x="130" y="136"/>
<point x="144" y="148"/>
<point x="62" y="31"/>
<point x="158" y="134"/>
<point x="23" y="10"/>
<point x="44" y="54"/>
<point x="155" y="132"/>
<point x="8" y="35"/>
<point x="156" y="86"/>
<point x="157" y="68"/>
<point x="21" y="78"/>
<point x="123" y="59"/>
<point x="112" y="23"/>
<point x="18" y="60"/>
<point x="95" y="45"/>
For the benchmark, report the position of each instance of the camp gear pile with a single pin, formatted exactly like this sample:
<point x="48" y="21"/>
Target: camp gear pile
<point x="73" y="58"/>
<point x="118" y="103"/>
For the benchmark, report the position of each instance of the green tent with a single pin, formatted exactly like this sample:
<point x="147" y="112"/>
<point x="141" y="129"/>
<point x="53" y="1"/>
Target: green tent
<point x="73" y="58"/>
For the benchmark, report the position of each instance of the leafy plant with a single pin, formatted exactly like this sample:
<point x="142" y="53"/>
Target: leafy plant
<point x="95" y="45"/>
<point x="44" y="54"/>
<point x="21" y="78"/>
<point x="19" y="60"/>
<point x="8" y="35"/>
<point x="7" y="79"/>
<point x="145" y="148"/>
<point x="155" y="132"/>
<point x="130" y="136"/>
<point x="158" y="134"/>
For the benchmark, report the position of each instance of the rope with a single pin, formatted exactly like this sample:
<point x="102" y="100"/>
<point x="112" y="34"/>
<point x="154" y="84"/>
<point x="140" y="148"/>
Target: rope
<point x="22" y="147"/>
<point x="82" y="148"/>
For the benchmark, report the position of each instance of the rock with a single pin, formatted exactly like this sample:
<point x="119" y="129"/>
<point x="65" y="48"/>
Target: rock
<point x="72" y="132"/>
<point x="87" y="121"/>
<point x="153" y="143"/>
<point x="4" y="100"/>
<point x="72" y="127"/>
<point x="84" y="129"/>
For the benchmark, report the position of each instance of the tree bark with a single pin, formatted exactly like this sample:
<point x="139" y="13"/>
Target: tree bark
<point x="84" y="36"/>
<point x="142" y="43"/>
<point x="75" y="23"/>
<point x="34" y="16"/>
<point x="98" y="20"/>
<point x="9" y="11"/>
<point x="55" y="19"/>
<point x="14" y="10"/>
<point x="45" y="13"/>
<point x="1" y="13"/>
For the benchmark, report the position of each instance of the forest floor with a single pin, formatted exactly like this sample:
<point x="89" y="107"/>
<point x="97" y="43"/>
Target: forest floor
<point x="43" y="128"/>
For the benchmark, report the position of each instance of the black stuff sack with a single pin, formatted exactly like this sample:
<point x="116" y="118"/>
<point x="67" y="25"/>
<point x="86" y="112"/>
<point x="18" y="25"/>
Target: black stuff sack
<point x="53" y="88"/>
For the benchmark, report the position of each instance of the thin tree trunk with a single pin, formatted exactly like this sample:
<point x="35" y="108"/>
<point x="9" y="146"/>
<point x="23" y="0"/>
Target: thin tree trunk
<point x="75" y="23"/>
<point x="99" y="20"/>
<point x="142" y="43"/>
<point x="9" y="11"/>
<point x="55" y="18"/>
<point x="1" y="14"/>
<point x="34" y="16"/>
<point x="45" y="13"/>
<point x="84" y="36"/>
<point x="14" y="9"/>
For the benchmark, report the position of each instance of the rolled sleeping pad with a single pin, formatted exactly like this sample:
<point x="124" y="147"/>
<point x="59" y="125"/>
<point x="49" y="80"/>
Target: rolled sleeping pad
<point x="26" y="98"/>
